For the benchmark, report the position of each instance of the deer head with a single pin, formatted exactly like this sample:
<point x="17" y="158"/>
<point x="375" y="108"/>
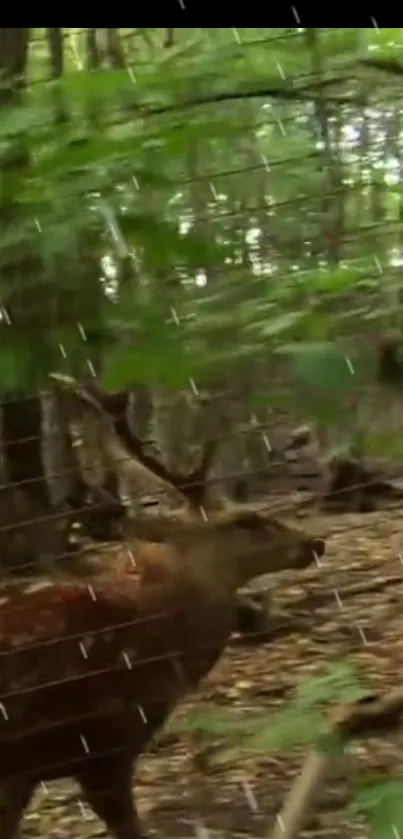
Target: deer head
<point x="241" y="544"/>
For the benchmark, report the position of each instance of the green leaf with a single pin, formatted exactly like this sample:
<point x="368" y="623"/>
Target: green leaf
<point x="321" y="366"/>
<point x="157" y="358"/>
<point x="385" y="41"/>
<point x="274" y="326"/>
<point x="22" y="119"/>
<point x="84" y="87"/>
<point x="340" y="684"/>
<point x="18" y="365"/>
<point x="380" y="801"/>
<point x="331" y="280"/>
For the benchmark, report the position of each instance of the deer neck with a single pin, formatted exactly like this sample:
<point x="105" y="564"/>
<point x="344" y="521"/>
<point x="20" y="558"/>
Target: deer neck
<point x="207" y="561"/>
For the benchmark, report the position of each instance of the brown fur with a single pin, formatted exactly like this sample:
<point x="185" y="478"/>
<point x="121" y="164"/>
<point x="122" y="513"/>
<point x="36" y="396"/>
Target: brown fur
<point x="90" y="670"/>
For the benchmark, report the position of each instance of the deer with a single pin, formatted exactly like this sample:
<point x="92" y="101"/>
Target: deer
<point x="125" y="454"/>
<point x="91" y="669"/>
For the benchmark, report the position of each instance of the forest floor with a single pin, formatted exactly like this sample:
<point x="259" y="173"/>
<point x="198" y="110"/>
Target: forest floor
<point x="348" y="610"/>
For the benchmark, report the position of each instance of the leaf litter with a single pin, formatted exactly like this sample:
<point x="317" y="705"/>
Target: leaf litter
<point x="208" y="774"/>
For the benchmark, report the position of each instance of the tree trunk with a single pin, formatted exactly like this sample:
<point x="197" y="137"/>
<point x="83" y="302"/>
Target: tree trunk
<point x="25" y="304"/>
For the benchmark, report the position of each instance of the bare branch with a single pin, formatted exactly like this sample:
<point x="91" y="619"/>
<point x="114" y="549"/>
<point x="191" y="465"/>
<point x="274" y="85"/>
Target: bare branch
<point x="302" y="796"/>
<point x="368" y="717"/>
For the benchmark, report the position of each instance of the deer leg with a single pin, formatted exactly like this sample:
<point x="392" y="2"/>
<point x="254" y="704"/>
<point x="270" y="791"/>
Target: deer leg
<point x="107" y="786"/>
<point x="14" y="798"/>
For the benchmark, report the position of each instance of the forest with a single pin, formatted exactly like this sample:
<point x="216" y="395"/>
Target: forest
<point x="201" y="449"/>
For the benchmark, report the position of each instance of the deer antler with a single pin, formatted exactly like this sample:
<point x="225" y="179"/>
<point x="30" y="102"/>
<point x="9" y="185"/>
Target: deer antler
<point x="122" y="441"/>
<point x="192" y="486"/>
<point x="82" y="403"/>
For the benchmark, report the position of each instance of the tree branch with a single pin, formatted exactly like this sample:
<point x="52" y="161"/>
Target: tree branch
<point x="371" y="716"/>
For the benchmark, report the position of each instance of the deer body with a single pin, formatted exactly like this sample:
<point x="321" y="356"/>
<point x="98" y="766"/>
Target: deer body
<point x="104" y="668"/>
<point x="90" y="670"/>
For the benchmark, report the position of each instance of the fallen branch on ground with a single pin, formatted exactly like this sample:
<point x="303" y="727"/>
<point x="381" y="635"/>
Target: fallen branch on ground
<point x="370" y="716"/>
<point x="315" y="599"/>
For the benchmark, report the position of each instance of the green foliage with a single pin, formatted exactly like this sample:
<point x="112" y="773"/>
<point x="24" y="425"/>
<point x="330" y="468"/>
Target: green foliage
<point x="302" y="723"/>
<point x="380" y="801"/>
<point x="141" y="184"/>
<point x="261" y="226"/>
<point x="321" y="366"/>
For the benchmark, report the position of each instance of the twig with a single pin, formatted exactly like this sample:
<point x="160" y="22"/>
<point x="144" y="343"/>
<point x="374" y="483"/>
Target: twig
<point x="314" y="599"/>
<point x="302" y="796"/>
<point x="369" y="716"/>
